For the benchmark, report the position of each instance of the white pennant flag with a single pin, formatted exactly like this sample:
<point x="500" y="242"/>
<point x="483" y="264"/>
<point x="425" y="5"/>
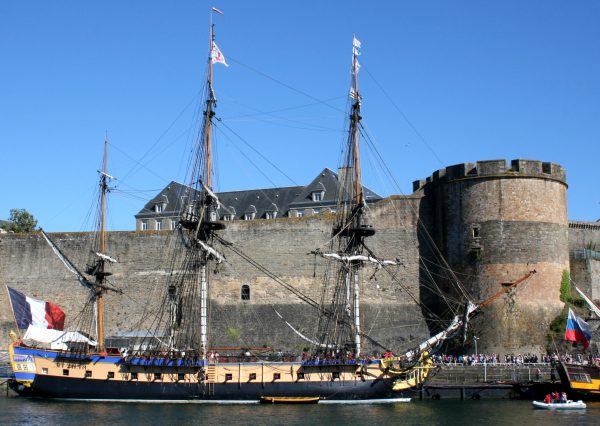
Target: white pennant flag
<point x="355" y="46"/>
<point x="216" y="55"/>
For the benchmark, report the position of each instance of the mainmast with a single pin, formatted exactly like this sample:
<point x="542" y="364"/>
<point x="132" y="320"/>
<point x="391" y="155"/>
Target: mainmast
<point x="198" y="222"/>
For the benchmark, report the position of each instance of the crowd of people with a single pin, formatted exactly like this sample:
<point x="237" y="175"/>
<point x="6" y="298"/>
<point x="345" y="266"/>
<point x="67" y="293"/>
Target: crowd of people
<point x="517" y="359"/>
<point x="475" y="359"/>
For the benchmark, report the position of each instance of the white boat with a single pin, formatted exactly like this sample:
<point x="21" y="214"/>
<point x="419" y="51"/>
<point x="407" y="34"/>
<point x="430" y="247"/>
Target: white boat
<point x="569" y="405"/>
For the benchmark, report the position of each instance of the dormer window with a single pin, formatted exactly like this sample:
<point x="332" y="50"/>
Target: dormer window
<point x="271" y="215"/>
<point x="318" y="195"/>
<point x="250" y="212"/>
<point x="158" y="208"/>
<point x="228" y="217"/>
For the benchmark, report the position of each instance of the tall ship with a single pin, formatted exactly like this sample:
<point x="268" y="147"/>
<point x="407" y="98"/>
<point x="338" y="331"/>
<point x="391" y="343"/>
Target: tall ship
<point x="174" y="360"/>
<point x="582" y="379"/>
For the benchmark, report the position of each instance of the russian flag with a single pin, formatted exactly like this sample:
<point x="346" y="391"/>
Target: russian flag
<point x="578" y="330"/>
<point x="29" y="311"/>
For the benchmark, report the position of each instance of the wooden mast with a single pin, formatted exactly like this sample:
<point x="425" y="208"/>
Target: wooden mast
<point x="100" y="275"/>
<point x="209" y="110"/>
<point x="355" y="117"/>
<point x="207" y="136"/>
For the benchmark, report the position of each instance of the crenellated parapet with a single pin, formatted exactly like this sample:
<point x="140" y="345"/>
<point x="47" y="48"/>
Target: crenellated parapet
<point x="486" y="169"/>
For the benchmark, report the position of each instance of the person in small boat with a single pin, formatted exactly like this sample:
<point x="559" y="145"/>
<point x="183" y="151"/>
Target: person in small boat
<point x="563" y="397"/>
<point x="548" y="399"/>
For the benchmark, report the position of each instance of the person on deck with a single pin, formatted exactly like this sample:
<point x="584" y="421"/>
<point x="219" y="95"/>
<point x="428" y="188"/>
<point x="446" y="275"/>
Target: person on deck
<point x="548" y="400"/>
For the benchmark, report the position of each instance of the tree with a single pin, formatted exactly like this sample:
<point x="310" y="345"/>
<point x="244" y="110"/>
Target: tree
<point x="21" y="221"/>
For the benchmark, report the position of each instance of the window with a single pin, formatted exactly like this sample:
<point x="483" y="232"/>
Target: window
<point x="110" y="375"/>
<point x="228" y="217"/>
<point x="144" y="225"/>
<point x="245" y="293"/>
<point x="159" y="208"/>
<point x="335" y="375"/>
<point x="159" y="224"/>
<point x="300" y="376"/>
<point x="317" y="196"/>
<point x="252" y="376"/>
<point x="65" y="372"/>
<point x="316" y="211"/>
<point x="299" y="213"/>
<point x="134" y="376"/>
<point x="88" y="373"/>
<point x="173" y="224"/>
<point x="181" y="376"/>
<point x="44" y="371"/>
<point x="248" y="216"/>
<point x="228" y="377"/>
<point x="276" y="376"/>
<point x="271" y="215"/>
<point x="157" y="376"/>
<point x="213" y="216"/>
<point x="475" y="232"/>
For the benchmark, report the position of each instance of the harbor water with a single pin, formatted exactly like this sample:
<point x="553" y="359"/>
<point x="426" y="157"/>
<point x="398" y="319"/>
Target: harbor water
<point x="21" y="411"/>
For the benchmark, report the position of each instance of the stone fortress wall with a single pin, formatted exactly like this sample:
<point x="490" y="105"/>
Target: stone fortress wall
<point x="495" y="223"/>
<point x="492" y="222"/>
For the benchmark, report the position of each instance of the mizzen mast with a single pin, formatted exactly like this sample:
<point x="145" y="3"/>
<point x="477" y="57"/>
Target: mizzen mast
<point x="98" y="267"/>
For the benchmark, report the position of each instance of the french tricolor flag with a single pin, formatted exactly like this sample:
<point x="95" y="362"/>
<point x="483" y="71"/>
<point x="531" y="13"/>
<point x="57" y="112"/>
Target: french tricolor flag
<point x="578" y="330"/>
<point x="29" y="311"/>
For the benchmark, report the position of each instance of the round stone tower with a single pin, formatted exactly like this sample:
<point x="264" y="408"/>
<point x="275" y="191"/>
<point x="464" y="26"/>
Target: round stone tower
<point x="495" y="224"/>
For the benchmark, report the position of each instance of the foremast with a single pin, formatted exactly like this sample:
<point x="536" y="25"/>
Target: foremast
<point x="340" y="326"/>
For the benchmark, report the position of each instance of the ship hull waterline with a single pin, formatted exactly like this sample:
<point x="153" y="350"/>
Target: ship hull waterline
<point x="52" y="374"/>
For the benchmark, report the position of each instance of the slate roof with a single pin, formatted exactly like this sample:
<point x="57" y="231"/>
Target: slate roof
<point x="257" y="201"/>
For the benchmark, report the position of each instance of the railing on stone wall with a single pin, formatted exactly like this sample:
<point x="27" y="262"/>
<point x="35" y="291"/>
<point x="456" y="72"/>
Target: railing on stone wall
<point x="585" y="254"/>
<point x="457" y="374"/>
<point x="5" y="370"/>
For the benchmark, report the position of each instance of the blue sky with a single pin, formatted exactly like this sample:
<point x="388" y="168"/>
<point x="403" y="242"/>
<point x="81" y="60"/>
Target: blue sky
<point x="443" y="82"/>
